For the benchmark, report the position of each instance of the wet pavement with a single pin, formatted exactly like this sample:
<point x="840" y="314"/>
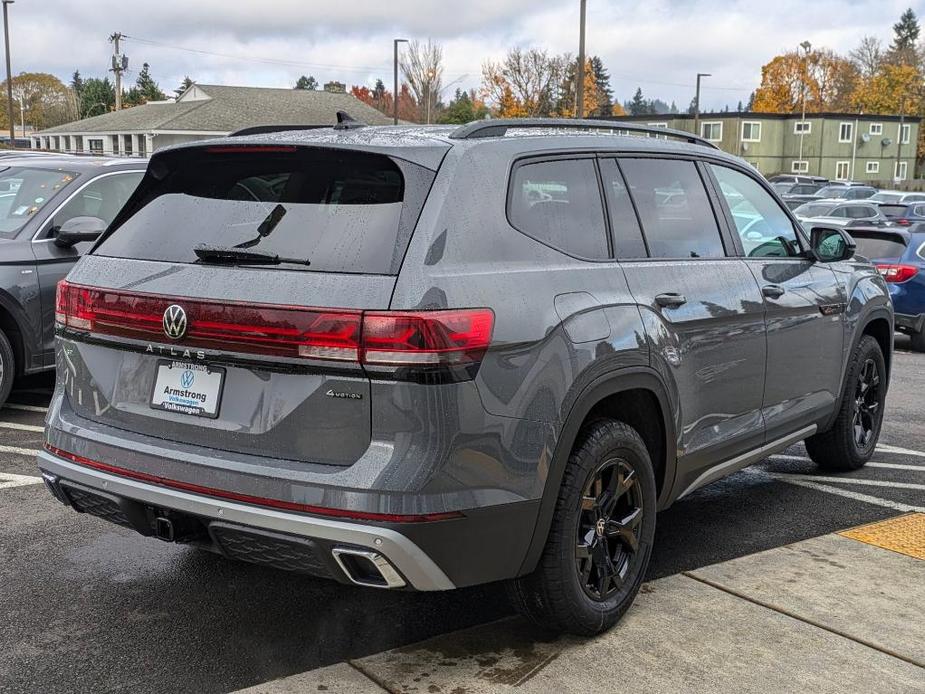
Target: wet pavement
<point x="91" y="607"/>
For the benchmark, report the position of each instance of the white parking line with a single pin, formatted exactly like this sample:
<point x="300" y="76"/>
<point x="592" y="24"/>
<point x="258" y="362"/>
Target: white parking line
<point x="847" y="493"/>
<point x="892" y="466"/>
<point x="20" y="427"/>
<point x="9" y="480"/>
<point x="851" y="480"/>
<point x="25" y="408"/>
<point x="901" y="451"/>
<point x="31" y="452"/>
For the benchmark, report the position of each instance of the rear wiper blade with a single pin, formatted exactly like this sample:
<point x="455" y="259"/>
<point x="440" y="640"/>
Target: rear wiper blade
<point x="242" y="256"/>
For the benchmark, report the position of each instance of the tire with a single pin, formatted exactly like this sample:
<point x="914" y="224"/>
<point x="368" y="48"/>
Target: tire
<point x="918" y="341"/>
<point x="557" y="595"/>
<point x="846" y="446"/>
<point x="7" y="367"/>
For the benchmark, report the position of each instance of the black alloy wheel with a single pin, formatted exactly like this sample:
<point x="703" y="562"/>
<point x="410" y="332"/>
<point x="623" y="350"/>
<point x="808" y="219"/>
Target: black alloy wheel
<point x="608" y="526"/>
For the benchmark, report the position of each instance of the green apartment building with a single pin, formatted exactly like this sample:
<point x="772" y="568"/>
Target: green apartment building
<point x="839" y="146"/>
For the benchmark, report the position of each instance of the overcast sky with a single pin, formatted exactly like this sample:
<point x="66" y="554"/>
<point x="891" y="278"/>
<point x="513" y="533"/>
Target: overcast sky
<point x="656" y="44"/>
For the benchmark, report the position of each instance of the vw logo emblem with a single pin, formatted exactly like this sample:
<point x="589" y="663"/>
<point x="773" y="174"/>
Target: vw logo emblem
<point x="186" y="380"/>
<point x="175" y="322"/>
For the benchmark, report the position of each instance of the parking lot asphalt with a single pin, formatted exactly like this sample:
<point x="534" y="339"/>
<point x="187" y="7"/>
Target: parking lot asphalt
<point x="90" y="607"/>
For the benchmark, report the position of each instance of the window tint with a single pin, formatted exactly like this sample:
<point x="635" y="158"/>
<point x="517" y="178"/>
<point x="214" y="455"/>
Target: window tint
<point x="25" y="191"/>
<point x="628" y="242"/>
<point x="342" y="211"/>
<point x="919" y="210"/>
<point x="559" y="203"/>
<point x="879" y="246"/>
<point x="763" y="226"/>
<point x="676" y="214"/>
<point x="102" y="198"/>
<point x="860" y="212"/>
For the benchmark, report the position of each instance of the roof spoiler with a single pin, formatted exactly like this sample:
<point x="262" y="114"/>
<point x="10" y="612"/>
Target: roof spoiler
<point x="344" y="122"/>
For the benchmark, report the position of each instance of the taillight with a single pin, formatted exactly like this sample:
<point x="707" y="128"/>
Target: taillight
<point x="412" y="344"/>
<point x="422" y="342"/>
<point x="903" y="222"/>
<point x="897" y="273"/>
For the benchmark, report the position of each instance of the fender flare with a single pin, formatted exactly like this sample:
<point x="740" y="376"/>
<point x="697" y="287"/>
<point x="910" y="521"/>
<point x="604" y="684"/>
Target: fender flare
<point x="622" y="380"/>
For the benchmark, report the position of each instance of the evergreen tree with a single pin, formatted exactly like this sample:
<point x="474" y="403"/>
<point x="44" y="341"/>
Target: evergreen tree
<point x="751" y="102"/>
<point x="77" y="83"/>
<point x="145" y="89"/>
<point x="638" y="106"/>
<point x="905" y="32"/>
<point x="739" y="106"/>
<point x="692" y="109"/>
<point x="464" y="107"/>
<point x="307" y="83"/>
<point x="97" y="96"/>
<point x="673" y="108"/>
<point x="604" y="92"/>
<point x="184" y="85"/>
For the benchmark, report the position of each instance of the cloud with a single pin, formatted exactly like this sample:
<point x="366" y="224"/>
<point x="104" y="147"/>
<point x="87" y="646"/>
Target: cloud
<point x="658" y="45"/>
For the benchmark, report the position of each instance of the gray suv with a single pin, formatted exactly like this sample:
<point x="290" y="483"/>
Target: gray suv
<point x="51" y="207"/>
<point x="427" y="358"/>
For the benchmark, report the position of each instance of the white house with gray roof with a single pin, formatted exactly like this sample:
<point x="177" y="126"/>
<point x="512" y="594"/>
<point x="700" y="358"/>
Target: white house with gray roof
<point x="201" y="112"/>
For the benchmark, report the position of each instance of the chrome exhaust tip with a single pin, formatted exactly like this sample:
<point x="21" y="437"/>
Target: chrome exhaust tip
<point x="367" y="568"/>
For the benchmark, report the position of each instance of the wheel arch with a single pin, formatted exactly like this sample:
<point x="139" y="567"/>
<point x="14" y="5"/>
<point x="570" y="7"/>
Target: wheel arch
<point x="15" y="327"/>
<point x="606" y="396"/>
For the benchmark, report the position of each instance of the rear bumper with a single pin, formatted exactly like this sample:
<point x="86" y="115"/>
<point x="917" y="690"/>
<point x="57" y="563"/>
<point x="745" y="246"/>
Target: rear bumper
<point x="910" y="323"/>
<point x="325" y="536"/>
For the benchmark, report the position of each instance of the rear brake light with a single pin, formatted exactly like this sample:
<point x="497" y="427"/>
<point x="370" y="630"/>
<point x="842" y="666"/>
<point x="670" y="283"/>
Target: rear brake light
<point x="247" y="149"/>
<point x="903" y="222"/>
<point x="897" y="273"/>
<point x="452" y="341"/>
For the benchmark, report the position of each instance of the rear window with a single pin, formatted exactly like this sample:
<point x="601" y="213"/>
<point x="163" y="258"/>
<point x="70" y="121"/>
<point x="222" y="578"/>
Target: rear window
<point x="893" y="210"/>
<point x="879" y="246"/>
<point x="886" y="197"/>
<point x="343" y="211"/>
<point x="814" y="210"/>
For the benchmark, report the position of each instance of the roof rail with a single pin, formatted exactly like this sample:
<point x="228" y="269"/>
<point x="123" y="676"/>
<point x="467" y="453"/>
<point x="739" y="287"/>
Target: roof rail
<point x="261" y="129"/>
<point x="498" y="127"/>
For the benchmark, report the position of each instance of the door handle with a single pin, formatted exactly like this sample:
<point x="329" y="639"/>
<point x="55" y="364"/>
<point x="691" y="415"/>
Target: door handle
<point x="670" y="300"/>
<point x="772" y="291"/>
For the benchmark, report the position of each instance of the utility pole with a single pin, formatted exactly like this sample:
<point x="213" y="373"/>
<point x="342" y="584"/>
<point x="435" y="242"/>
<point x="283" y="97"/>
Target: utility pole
<point x="395" y="66"/>
<point x="697" y="103"/>
<point x="9" y="74"/>
<point x="580" y="87"/>
<point x="806" y="46"/>
<point x="117" y="67"/>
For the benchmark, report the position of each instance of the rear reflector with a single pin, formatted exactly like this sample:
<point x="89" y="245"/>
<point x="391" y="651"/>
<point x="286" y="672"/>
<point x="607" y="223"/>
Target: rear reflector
<point x="432" y="340"/>
<point x="897" y="273"/>
<point x="249" y="499"/>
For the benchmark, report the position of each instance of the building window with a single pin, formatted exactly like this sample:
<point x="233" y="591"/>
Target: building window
<point x="905" y="133"/>
<point x="712" y="131"/>
<point x="842" y="170"/>
<point x="799" y="167"/>
<point x="127" y="145"/>
<point x="751" y="131"/>
<point x="657" y="125"/>
<point x="901" y="170"/>
<point x="95" y="145"/>
<point x="142" y="146"/>
<point x="802" y="127"/>
<point x="845" y="132"/>
<point x="876" y="128"/>
<point x="873" y="167"/>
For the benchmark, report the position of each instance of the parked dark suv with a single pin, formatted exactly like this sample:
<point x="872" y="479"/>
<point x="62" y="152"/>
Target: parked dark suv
<point x="426" y="358"/>
<point x="50" y="208"/>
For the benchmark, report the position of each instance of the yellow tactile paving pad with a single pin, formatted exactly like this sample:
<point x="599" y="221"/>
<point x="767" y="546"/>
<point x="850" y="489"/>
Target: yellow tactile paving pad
<point x="903" y="534"/>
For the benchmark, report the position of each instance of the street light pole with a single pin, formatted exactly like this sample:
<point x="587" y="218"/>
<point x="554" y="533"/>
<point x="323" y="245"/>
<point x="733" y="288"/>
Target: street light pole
<point x="395" y="67"/>
<point x="806" y="46"/>
<point x="697" y="103"/>
<point x="580" y="87"/>
<point x="9" y="74"/>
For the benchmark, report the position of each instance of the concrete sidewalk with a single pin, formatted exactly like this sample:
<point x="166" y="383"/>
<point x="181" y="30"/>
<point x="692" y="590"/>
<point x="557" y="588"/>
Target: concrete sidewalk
<point x="829" y="614"/>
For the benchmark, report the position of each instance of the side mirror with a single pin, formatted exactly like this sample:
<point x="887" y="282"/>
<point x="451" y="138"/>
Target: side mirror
<point x="78" y="229"/>
<point x="831" y="245"/>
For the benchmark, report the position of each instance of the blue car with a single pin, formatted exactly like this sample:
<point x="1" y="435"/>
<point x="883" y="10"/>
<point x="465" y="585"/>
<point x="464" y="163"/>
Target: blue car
<point x="905" y="214"/>
<point x="899" y="255"/>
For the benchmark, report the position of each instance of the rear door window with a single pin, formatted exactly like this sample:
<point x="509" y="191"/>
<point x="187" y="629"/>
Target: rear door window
<point x="342" y="211"/>
<point x="675" y="211"/>
<point x="558" y="202"/>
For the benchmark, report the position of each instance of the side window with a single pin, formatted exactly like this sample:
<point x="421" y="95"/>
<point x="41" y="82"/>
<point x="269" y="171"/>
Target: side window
<point x="628" y="241"/>
<point x="838" y="212"/>
<point x="675" y="211"/>
<point x="102" y="198"/>
<point x="919" y="210"/>
<point x="861" y="212"/>
<point x="763" y="226"/>
<point x="559" y="203"/>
